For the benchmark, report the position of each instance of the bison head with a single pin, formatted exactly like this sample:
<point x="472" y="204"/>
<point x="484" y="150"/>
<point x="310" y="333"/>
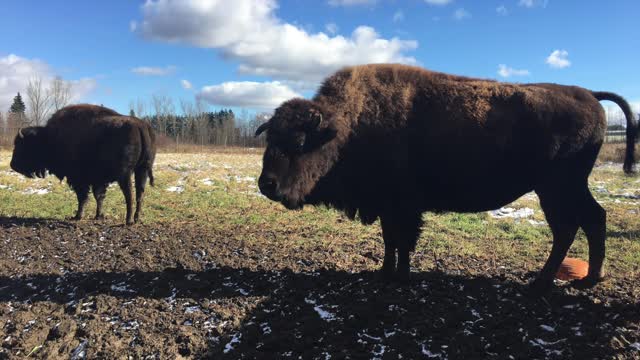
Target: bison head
<point x="29" y="153"/>
<point x="299" y="151"/>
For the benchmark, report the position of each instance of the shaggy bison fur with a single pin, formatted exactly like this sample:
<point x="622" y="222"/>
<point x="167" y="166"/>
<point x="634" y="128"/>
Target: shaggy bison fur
<point x="91" y="146"/>
<point x="394" y="141"/>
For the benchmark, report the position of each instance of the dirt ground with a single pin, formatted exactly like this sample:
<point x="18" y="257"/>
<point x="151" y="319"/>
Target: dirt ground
<point x="101" y="290"/>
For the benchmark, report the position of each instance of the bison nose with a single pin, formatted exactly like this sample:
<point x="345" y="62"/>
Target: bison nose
<point x="268" y="185"/>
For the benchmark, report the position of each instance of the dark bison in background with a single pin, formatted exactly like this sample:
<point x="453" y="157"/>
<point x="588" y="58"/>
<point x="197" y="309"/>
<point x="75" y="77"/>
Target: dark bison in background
<point x="91" y="146"/>
<point x="393" y="141"/>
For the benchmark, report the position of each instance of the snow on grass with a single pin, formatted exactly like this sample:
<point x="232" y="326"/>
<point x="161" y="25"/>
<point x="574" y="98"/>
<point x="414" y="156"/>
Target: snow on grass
<point x="32" y="191"/>
<point x="508" y="212"/>
<point x="176" y="189"/>
<point x="207" y="181"/>
<point x="122" y="287"/>
<point x="234" y="340"/>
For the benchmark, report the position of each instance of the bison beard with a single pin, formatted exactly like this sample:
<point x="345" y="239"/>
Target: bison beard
<point x="91" y="146"/>
<point x="393" y="141"/>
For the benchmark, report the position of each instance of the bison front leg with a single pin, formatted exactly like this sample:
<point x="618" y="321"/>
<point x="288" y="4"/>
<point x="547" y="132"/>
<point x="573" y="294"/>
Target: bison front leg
<point x="400" y="232"/>
<point x="125" y="186"/>
<point x="82" y="193"/>
<point x="99" y="193"/>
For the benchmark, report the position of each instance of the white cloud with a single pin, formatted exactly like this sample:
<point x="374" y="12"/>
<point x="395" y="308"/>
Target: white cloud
<point x="505" y="71"/>
<point x="461" y="14"/>
<point x="15" y="72"/>
<point x="133" y="26"/>
<point x="559" y="59"/>
<point x="533" y="3"/>
<point x="502" y="10"/>
<point x="263" y="44"/>
<point x="351" y="2"/>
<point x="248" y="94"/>
<point x="438" y="2"/>
<point x="186" y="84"/>
<point x="331" y="28"/>
<point x="154" y="70"/>
<point x="398" y="16"/>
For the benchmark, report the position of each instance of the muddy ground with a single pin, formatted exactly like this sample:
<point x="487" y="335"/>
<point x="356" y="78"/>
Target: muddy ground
<point x="100" y="290"/>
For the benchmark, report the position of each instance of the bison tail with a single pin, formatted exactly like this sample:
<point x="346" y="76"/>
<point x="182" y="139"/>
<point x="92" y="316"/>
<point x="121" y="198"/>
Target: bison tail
<point x="632" y="126"/>
<point x="148" y="155"/>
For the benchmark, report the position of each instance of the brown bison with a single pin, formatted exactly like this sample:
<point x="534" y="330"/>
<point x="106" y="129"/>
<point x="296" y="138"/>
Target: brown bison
<point x="91" y="146"/>
<point x="393" y="141"/>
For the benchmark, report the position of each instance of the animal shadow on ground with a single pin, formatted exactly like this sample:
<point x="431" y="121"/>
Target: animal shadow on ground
<point x="338" y="314"/>
<point x="9" y="222"/>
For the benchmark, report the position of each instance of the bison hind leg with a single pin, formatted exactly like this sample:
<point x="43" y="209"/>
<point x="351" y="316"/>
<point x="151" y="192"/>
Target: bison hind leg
<point x="141" y="176"/>
<point x="125" y="186"/>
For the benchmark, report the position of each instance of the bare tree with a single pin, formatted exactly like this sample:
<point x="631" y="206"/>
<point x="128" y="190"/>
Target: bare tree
<point x="38" y="101"/>
<point x="140" y="108"/>
<point x="202" y="121"/>
<point x="190" y="114"/>
<point x="165" y="111"/>
<point x="60" y="92"/>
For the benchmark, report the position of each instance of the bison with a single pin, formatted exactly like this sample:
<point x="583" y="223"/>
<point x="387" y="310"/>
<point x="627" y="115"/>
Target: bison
<point x="393" y="141"/>
<point x="91" y="146"/>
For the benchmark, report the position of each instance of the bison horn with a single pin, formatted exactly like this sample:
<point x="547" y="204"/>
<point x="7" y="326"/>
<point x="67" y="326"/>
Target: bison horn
<point x="20" y="133"/>
<point x="262" y="128"/>
<point x="317" y="119"/>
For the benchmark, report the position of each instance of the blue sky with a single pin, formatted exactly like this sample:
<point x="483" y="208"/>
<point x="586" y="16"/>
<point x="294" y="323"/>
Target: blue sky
<point x="253" y="54"/>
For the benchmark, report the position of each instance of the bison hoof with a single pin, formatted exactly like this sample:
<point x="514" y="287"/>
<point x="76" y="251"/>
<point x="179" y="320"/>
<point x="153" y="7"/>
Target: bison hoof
<point x="77" y="218"/>
<point x="587" y="282"/>
<point x="99" y="217"/>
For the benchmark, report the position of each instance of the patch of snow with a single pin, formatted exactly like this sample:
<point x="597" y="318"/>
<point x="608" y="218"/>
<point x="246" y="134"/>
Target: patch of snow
<point x="191" y="309"/>
<point x="507" y="212"/>
<point x="324" y="315"/>
<point x="380" y="353"/>
<point x="81" y="351"/>
<point x="32" y="191"/>
<point x="601" y="189"/>
<point x="234" y="340"/>
<point x="635" y="346"/>
<point x="176" y="189"/>
<point x="536" y="223"/>
<point x="429" y="354"/>
<point x="207" y="181"/>
<point x="121" y="287"/>
<point x="266" y="329"/>
<point x="243" y="291"/>
<point x="547" y="328"/>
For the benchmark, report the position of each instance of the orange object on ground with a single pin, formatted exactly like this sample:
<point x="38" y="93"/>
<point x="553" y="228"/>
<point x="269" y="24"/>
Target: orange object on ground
<point x="572" y="269"/>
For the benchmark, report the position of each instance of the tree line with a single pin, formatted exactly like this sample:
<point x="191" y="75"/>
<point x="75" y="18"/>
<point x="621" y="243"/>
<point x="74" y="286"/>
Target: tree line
<point x="191" y="122"/>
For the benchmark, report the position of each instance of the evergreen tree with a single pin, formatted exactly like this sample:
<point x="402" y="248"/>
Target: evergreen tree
<point x="132" y="113"/>
<point x="18" y="105"/>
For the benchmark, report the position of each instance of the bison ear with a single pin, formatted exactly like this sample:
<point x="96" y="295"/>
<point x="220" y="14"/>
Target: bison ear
<point x="262" y="128"/>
